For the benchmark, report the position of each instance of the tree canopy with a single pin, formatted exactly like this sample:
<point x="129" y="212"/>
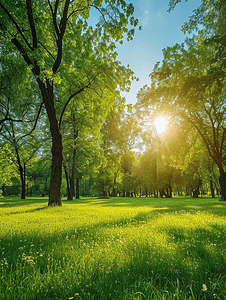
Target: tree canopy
<point x="60" y="87"/>
<point x="66" y="53"/>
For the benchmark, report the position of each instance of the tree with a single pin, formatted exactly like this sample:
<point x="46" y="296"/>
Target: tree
<point x="54" y="39"/>
<point x="24" y="146"/>
<point x="19" y="106"/>
<point x="81" y="131"/>
<point x="119" y="131"/>
<point x="198" y="166"/>
<point x="128" y="181"/>
<point x="38" y="176"/>
<point x="182" y="87"/>
<point x="6" y="166"/>
<point x="211" y="15"/>
<point x="148" y="172"/>
<point x="82" y="147"/>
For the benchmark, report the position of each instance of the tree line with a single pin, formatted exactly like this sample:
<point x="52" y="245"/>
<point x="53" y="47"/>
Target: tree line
<point x="64" y="125"/>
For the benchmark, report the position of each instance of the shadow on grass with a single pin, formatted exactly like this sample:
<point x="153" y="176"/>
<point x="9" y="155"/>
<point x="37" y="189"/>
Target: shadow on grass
<point x="160" y="205"/>
<point x="146" y="270"/>
<point x="177" y="204"/>
<point x="17" y="201"/>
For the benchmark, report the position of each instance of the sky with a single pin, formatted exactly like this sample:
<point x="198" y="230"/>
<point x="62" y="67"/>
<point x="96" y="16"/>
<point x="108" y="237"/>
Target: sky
<point x="160" y="29"/>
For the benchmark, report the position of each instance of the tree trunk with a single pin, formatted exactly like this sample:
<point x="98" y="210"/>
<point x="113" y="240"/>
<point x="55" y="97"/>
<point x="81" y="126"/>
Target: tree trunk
<point x="196" y="192"/>
<point x="46" y="187"/>
<point x="71" y="182"/>
<point x="114" y="192"/>
<point x="72" y="178"/>
<point x="46" y="88"/>
<point x="3" y="190"/>
<point x="170" y="189"/>
<point x="71" y="191"/>
<point x="55" y="192"/>
<point x="212" y="188"/>
<point x="77" y="188"/>
<point x="103" y="193"/>
<point x="222" y="181"/>
<point x="22" y="174"/>
<point x="23" y="182"/>
<point x="67" y="179"/>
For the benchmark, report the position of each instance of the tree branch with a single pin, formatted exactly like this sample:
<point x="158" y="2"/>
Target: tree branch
<point x="54" y="13"/>
<point x="76" y="10"/>
<point x="73" y="95"/>
<point x="215" y="139"/>
<point x="16" y="25"/>
<point x="32" y="24"/>
<point x="205" y="139"/>
<point x="47" y="51"/>
<point x="103" y="16"/>
<point x="9" y="119"/>
<point x="36" y="121"/>
<point x="22" y="50"/>
<point x="222" y="140"/>
<point x="68" y="101"/>
<point x="62" y="28"/>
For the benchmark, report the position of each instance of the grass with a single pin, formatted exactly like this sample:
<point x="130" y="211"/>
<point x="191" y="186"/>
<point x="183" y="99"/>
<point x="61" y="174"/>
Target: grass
<point x="117" y="248"/>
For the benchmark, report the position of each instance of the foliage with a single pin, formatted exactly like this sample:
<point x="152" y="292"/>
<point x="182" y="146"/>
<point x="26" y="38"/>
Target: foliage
<point x="81" y="138"/>
<point x="65" y="53"/>
<point x="38" y="175"/>
<point x="69" y="63"/>
<point x="119" y="131"/>
<point x="181" y="87"/>
<point x="6" y="165"/>
<point x="192" y="77"/>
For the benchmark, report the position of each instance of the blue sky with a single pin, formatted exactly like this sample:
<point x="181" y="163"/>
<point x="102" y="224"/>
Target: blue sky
<point x="160" y="29"/>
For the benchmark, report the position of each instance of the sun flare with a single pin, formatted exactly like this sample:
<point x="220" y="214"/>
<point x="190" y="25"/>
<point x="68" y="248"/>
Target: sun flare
<point x="160" y="124"/>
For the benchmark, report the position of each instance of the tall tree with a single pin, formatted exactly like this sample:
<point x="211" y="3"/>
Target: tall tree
<point x="81" y="139"/>
<point x="183" y="86"/>
<point x="53" y="38"/>
<point x="211" y="16"/>
<point x="21" y="108"/>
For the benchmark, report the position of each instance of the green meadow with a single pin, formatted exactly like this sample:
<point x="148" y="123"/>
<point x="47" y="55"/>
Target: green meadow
<point x="117" y="248"/>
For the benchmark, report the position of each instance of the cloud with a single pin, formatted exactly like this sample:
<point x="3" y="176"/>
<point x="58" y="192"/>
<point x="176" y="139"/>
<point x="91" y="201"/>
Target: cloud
<point x="145" y="18"/>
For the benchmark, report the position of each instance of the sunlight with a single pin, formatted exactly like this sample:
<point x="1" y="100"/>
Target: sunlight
<point x="160" y="124"/>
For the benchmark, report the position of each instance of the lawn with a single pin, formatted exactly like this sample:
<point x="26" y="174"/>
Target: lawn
<point x="117" y="248"/>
